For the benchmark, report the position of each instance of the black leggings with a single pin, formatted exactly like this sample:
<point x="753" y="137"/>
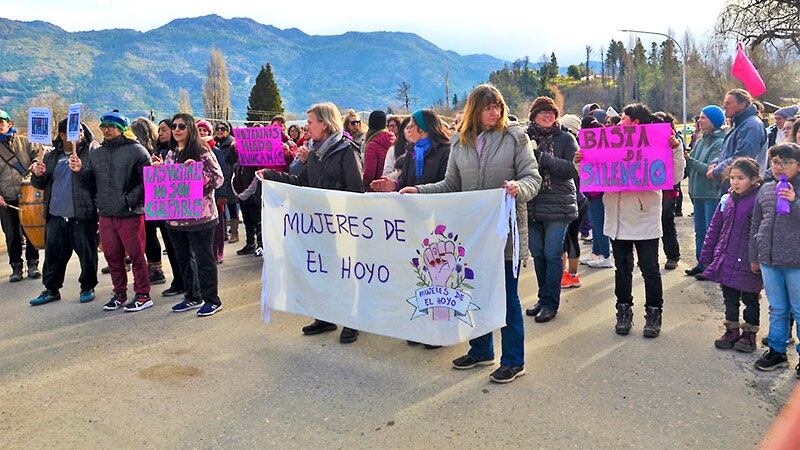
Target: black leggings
<point x="572" y="245"/>
<point x="733" y="297"/>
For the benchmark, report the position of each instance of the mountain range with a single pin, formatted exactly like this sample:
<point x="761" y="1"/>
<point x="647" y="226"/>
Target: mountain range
<point x="138" y="71"/>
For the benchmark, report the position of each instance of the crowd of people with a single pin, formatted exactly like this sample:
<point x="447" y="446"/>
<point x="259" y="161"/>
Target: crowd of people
<point x="742" y="182"/>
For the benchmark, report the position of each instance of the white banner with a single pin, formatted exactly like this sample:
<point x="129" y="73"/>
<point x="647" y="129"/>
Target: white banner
<point x="426" y="268"/>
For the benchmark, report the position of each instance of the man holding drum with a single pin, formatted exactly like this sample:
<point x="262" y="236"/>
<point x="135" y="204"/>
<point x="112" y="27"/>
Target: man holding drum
<point x="16" y="155"/>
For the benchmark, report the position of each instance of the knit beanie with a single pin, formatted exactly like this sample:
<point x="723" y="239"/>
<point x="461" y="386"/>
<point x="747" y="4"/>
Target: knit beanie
<point x="543" y="104"/>
<point x="787" y="112"/>
<point x="377" y="120"/>
<point x="572" y="122"/>
<point x="205" y="124"/>
<point x="419" y="119"/>
<point x="715" y="115"/>
<point x="114" y="118"/>
<point x="588" y="108"/>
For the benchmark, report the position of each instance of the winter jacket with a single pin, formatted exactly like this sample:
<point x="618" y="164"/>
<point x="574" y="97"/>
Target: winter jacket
<point x="212" y="179"/>
<point x="223" y="154"/>
<point x="115" y="172"/>
<point x="82" y="198"/>
<point x="775" y="239"/>
<point x="435" y="166"/>
<point x="507" y="155"/>
<point x="20" y="154"/>
<point x="375" y="155"/>
<point x="707" y="149"/>
<point x="727" y="246"/>
<point x="747" y="138"/>
<point x="636" y="215"/>
<point x="339" y="170"/>
<point x="556" y="201"/>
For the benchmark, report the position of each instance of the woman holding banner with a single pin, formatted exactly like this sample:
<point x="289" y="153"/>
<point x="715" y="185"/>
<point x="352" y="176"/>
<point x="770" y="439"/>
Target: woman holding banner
<point x="633" y="220"/>
<point x="489" y="153"/>
<point x="193" y="238"/>
<point x="333" y="163"/>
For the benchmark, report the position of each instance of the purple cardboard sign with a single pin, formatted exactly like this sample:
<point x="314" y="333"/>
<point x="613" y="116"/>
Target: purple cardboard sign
<point x="173" y="191"/>
<point x="637" y="158"/>
<point x="260" y="146"/>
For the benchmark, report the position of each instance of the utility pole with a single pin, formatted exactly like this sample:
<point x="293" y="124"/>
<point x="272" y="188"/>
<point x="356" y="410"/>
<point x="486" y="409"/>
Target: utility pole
<point x="447" y="90"/>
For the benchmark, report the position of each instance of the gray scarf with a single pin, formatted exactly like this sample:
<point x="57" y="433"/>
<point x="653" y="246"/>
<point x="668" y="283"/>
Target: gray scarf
<point x="322" y="148"/>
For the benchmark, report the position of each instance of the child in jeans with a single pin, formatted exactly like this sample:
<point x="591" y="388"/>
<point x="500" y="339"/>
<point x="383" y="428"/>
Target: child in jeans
<point x="775" y="252"/>
<point x="725" y="256"/>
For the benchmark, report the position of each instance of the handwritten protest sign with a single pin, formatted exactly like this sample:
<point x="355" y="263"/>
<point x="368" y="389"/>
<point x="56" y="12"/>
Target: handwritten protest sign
<point x="616" y="159"/>
<point x="426" y="268"/>
<point x="40" y="126"/>
<point x="173" y="191"/>
<point x="74" y="122"/>
<point x="260" y="146"/>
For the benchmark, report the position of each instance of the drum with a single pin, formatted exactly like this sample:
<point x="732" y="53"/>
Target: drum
<point x="31" y="213"/>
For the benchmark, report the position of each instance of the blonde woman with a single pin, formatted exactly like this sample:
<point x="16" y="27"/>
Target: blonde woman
<point x="489" y="153"/>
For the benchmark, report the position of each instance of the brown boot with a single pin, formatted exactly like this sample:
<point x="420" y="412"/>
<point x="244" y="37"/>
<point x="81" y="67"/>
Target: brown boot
<point x="747" y="341"/>
<point x="731" y="336"/>
<point x="234" y="238"/>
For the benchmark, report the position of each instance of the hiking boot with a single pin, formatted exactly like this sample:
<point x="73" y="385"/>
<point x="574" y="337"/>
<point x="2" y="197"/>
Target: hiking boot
<point x="348" y="335"/>
<point x="234" y="232"/>
<point x="140" y="302"/>
<point x="86" y="296"/>
<point x="16" y="273"/>
<point x="624" y="319"/>
<point x="33" y="269"/>
<point x="507" y="374"/>
<point x="468" y="362"/>
<point x="747" y="342"/>
<point x="671" y="264"/>
<point x="771" y="360"/>
<point x="45" y="297"/>
<point x="246" y="250"/>
<point x="317" y="327"/>
<point x="728" y="340"/>
<point x="116" y="302"/>
<point x="652" y="322"/>
<point x="569" y="280"/>
<point x="157" y="277"/>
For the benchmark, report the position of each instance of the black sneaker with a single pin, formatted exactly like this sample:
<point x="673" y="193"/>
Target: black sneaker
<point x="140" y="302"/>
<point x="187" y="304"/>
<point x="507" y="374"/>
<point x="771" y="360"/>
<point x="317" y="327"/>
<point x="671" y="264"/>
<point x="208" y="309"/>
<point x="246" y="250"/>
<point x="45" y="297"/>
<point x="468" y="362"/>
<point x="171" y="292"/>
<point x="157" y="277"/>
<point x="116" y="302"/>
<point x="348" y="336"/>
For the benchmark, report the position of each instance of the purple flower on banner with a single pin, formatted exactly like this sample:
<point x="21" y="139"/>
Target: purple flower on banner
<point x="415" y="262"/>
<point x="426" y="242"/>
<point x="450" y="235"/>
<point x="459" y="267"/>
<point x="469" y="274"/>
<point x="461" y="251"/>
<point x="440" y="229"/>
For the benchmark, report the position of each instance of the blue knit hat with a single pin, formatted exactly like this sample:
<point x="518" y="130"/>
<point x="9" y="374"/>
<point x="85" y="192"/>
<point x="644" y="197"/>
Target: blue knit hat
<point x="787" y="112"/>
<point x="715" y="115"/>
<point x="419" y="119"/>
<point x="114" y="118"/>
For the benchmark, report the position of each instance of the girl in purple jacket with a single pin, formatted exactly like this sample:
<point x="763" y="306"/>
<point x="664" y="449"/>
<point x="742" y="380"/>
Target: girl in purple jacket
<point x="726" y="258"/>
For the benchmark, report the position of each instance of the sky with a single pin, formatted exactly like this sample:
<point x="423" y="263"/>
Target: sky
<point x="507" y="30"/>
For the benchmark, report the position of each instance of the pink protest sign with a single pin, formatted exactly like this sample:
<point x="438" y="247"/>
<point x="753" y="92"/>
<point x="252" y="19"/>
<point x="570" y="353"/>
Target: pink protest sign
<point x="616" y="159"/>
<point x="173" y="191"/>
<point x="260" y="146"/>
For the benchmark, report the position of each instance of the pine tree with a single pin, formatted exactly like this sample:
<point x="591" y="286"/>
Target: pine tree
<point x="216" y="89"/>
<point x="184" y="104"/>
<point x="265" y="101"/>
<point x="455" y="101"/>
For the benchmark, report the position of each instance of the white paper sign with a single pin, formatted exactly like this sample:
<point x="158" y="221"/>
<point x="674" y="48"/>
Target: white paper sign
<point x="74" y="122"/>
<point x="40" y="126"/>
<point x="426" y="268"/>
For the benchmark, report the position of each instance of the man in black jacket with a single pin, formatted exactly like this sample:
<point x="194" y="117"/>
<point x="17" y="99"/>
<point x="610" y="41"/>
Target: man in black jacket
<point x="71" y="217"/>
<point x="114" y="172"/>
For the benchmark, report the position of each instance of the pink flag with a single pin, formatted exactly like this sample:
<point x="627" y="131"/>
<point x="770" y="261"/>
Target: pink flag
<point x="744" y="70"/>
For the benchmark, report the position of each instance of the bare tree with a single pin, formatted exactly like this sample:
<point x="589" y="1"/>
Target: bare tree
<point x="216" y="89"/>
<point x="404" y="95"/>
<point x="761" y="21"/>
<point x="184" y="105"/>
<point x="589" y="53"/>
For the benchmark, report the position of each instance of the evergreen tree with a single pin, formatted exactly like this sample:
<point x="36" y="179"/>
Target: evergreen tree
<point x="265" y="101"/>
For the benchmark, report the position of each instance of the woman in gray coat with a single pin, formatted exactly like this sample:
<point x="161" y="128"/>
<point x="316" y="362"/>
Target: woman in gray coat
<point x="489" y="153"/>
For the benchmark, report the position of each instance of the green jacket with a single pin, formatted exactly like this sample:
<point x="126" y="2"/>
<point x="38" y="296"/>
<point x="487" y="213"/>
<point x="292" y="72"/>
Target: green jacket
<point x="706" y="151"/>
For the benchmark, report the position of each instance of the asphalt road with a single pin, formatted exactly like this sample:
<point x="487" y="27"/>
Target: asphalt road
<point x="74" y="376"/>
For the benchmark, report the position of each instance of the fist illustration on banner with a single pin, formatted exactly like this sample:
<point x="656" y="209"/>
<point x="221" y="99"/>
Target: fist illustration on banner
<point x="440" y="258"/>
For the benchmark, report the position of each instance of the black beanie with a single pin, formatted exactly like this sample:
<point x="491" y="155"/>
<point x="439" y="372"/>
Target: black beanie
<point x="377" y="120"/>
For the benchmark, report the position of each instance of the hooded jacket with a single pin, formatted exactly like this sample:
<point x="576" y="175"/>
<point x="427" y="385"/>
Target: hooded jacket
<point x="375" y="155"/>
<point x="748" y="138"/>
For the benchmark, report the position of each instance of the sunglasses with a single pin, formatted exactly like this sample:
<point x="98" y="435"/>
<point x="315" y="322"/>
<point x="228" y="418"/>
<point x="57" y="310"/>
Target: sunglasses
<point x="222" y="129"/>
<point x="355" y="122"/>
<point x="179" y="126"/>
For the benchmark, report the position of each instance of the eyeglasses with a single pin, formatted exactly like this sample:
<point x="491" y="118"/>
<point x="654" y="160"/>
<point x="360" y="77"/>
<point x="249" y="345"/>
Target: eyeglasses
<point x="355" y="122"/>
<point x="782" y="164"/>
<point x="179" y="126"/>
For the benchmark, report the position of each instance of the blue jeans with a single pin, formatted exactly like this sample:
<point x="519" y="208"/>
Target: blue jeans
<point x="783" y="293"/>
<point x="703" y="213"/>
<point x="597" y="214"/>
<point x="546" y="241"/>
<point x="512" y="335"/>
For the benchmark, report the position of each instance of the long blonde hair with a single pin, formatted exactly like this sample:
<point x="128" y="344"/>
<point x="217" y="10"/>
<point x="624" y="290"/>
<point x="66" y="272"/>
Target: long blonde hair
<point x="146" y="133"/>
<point x="481" y="97"/>
<point x="328" y="114"/>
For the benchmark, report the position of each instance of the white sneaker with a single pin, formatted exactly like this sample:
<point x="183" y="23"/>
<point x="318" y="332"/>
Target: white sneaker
<point x="590" y="257"/>
<point x="601" y="263"/>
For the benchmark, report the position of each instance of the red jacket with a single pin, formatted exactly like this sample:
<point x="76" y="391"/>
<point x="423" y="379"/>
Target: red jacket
<point x="375" y="155"/>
